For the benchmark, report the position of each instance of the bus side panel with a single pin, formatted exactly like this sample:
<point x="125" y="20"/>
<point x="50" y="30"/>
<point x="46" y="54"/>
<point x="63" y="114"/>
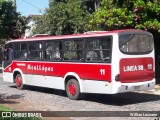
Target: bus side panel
<point x="44" y="81"/>
<point x="8" y="76"/>
<point x="86" y="71"/>
<point x="93" y="86"/>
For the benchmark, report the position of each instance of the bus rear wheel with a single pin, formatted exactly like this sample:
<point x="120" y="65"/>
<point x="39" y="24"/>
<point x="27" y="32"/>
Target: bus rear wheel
<point x="19" y="82"/>
<point x="73" y="89"/>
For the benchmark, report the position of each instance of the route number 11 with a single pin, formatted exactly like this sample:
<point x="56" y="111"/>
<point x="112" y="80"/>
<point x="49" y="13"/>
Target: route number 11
<point x="102" y="71"/>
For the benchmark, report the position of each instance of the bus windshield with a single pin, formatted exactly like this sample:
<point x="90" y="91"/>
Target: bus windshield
<point x="135" y="43"/>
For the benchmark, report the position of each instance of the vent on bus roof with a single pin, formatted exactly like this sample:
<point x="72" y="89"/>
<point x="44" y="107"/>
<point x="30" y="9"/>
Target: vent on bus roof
<point x="40" y="35"/>
<point x="94" y="32"/>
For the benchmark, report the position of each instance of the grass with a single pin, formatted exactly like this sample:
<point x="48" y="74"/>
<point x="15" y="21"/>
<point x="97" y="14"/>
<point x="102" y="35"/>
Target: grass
<point x="3" y="108"/>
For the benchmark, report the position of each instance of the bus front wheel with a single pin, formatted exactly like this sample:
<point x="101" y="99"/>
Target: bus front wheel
<point x="19" y="82"/>
<point x="73" y="89"/>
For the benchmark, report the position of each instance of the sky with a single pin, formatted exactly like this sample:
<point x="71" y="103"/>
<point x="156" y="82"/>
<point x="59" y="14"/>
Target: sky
<point x="31" y="7"/>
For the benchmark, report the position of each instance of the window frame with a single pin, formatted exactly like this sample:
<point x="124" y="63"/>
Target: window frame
<point x="76" y="50"/>
<point x="110" y="54"/>
<point x="20" y="50"/>
<point x="7" y="57"/>
<point x="39" y="51"/>
<point x="60" y="50"/>
<point x="136" y="53"/>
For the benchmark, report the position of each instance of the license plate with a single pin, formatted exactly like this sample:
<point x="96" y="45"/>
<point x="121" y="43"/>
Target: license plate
<point x="137" y="87"/>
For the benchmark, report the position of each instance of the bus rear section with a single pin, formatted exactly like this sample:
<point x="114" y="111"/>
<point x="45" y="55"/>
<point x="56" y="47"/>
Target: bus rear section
<point x="136" y="62"/>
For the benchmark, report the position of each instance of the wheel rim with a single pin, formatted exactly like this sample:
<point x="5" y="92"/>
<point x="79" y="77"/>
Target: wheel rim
<point x="18" y="81"/>
<point x="72" y="89"/>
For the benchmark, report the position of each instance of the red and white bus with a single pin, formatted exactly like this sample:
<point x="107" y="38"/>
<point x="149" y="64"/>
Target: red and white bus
<point x="97" y="62"/>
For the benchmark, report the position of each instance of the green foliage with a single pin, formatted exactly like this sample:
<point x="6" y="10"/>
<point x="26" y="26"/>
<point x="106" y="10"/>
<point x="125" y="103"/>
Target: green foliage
<point x="122" y="14"/>
<point x="3" y="108"/>
<point x="77" y="16"/>
<point x="42" y="25"/>
<point x="8" y="21"/>
<point x="2" y="1"/>
<point x="65" y="17"/>
<point x="20" y="26"/>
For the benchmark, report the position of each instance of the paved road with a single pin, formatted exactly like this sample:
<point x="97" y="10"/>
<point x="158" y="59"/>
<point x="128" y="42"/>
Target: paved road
<point x="43" y="99"/>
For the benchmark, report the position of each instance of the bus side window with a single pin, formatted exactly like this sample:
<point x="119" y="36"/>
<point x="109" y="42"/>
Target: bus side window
<point x="56" y="50"/>
<point x="35" y="51"/>
<point x="98" y="49"/>
<point x="73" y="50"/>
<point x="48" y="51"/>
<point x="20" y="51"/>
<point x="91" y="55"/>
<point x="24" y="50"/>
<point x="8" y="52"/>
<point x="53" y="50"/>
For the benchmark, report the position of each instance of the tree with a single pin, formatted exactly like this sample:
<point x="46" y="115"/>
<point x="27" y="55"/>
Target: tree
<point x="64" y="17"/>
<point x="120" y="14"/>
<point x="42" y="25"/>
<point x="8" y="21"/>
<point x="91" y="5"/>
<point x="20" y="26"/>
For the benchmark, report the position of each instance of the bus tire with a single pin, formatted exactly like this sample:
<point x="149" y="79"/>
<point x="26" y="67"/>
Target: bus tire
<point x="19" y="82"/>
<point x="73" y="89"/>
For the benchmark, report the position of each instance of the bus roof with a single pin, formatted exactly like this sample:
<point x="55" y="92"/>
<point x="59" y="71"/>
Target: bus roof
<point x="87" y="34"/>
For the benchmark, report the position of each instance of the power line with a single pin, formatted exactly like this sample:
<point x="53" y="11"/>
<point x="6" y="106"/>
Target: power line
<point x="40" y="10"/>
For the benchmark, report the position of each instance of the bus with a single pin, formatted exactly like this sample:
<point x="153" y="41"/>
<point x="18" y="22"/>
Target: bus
<point x="107" y="62"/>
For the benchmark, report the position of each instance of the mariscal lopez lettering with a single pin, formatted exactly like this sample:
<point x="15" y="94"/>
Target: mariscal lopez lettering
<point x="39" y="68"/>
